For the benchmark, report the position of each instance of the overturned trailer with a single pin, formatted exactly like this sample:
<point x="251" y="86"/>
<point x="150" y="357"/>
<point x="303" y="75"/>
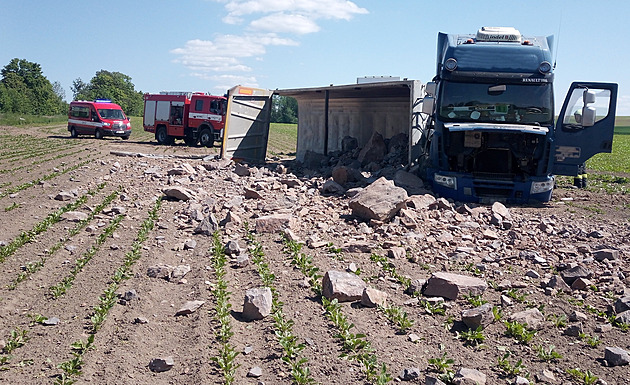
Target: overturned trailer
<point x="326" y="115"/>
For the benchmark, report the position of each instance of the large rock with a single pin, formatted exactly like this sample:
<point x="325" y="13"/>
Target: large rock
<point x="571" y="274"/>
<point x="381" y="200"/>
<point x="74" y="216"/>
<point x="450" y="286"/>
<point x="374" y="150"/>
<point x="421" y="202"/>
<point x="274" y="223"/>
<point x="257" y="304"/>
<point x="622" y="304"/>
<point x="373" y="297"/>
<point x="479" y="316"/>
<point x="179" y="193"/>
<point x="533" y="318"/>
<point x="616" y="356"/>
<point x="189" y="307"/>
<point x="208" y="225"/>
<point x="344" y="287"/>
<point x="410" y="182"/>
<point x="161" y="364"/>
<point x="465" y="376"/>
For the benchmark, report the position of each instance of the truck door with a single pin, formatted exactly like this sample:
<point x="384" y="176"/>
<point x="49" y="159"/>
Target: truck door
<point x="585" y="126"/>
<point x="247" y="124"/>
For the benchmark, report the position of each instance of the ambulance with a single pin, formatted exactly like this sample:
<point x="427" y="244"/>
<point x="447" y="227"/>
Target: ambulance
<point x="99" y="118"/>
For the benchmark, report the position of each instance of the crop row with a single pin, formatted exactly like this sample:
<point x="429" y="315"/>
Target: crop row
<point x="355" y="346"/>
<point x="40" y="227"/>
<point x="283" y="327"/>
<point x="32" y="183"/>
<point x="32" y="267"/>
<point x="72" y="367"/>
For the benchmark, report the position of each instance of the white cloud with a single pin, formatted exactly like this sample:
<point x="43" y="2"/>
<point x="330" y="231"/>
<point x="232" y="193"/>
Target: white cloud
<point x="285" y="23"/>
<point x="225" y="52"/>
<point x="329" y="9"/>
<point x="266" y="21"/>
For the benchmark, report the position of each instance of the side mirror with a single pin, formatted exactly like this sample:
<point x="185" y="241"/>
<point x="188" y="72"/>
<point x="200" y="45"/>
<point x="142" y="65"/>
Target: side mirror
<point x="427" y="105"/>
<point x="431" y="88"/>
<point x="588" y="97"/>
<point x="588" y="116"/>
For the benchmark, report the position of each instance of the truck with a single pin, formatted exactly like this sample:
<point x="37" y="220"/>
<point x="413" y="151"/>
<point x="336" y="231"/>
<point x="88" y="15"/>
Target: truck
<point x="195" y="117"/>
<point x="490" y="133"/>
<point x="238" y="122"/>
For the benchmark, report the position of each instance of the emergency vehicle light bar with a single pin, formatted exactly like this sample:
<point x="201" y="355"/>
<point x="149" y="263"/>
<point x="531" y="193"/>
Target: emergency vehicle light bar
<point x="102" y="101"/>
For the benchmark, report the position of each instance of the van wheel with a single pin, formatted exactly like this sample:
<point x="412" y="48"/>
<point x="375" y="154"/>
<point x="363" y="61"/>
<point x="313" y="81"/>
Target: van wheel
<point x="73" y="133"/>
<point x="205" y="138"/>
<point x="125" y="137"/>
<point x="98" y="134"/>
<point x="162" y="136"/>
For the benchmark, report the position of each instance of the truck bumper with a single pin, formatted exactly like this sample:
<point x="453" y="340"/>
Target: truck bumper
<point x="466" y="188"/>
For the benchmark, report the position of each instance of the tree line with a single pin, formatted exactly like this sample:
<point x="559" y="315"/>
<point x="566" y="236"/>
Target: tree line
<point x="25" y="90"/>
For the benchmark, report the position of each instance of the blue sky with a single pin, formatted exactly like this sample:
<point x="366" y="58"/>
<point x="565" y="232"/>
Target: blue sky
<point x="212" y="45"/>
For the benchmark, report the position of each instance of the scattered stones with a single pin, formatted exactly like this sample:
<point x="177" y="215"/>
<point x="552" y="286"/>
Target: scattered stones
<point x="207" y="226"/>
<point x="450" y="286"/>
<point x="342" y="286"/>
<point x="179" y="193"/>
<point x="465" y="376"/>
<point x="373" y="298"/>
<point x="161" y="364"/>
<point x="479" y="316"/>
<point x="74" y="216"/>
<point x="257" y="303"/>
<point x="255" y="372"/>
<point x="381" y="200"/>
<point x="64" y="196"/>
<point x="50" y="321"/>
<point x="189" y="307"/>
<point x="615" y="356"/>
<point x="533" y="318"/>
<point x="409" y="374"/>
<point x="274" y="223"/>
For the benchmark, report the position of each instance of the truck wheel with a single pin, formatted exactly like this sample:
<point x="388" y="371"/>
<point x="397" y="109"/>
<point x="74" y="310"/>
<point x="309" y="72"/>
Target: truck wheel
<point x="161" y="136"/>
<point x="190" y="141"/>
<point x="205" y="138"/>
<point x="73" y="133"/>
<point x="98" y="134"/>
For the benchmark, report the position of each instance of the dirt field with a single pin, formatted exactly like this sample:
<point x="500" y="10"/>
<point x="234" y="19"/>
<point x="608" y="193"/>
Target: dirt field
<point x="79" y="270"/>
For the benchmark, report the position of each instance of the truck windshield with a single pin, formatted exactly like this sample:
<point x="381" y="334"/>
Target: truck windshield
<point x="491" y="103"/>
<point x="107" y="113"/>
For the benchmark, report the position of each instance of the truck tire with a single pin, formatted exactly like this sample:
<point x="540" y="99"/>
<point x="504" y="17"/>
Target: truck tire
<point x="205" y="138"/>
<point x="190" y="141"/>
<point x="73" y="132"/>
<point x="98" y="134"/>
<point x="161" y="135"/>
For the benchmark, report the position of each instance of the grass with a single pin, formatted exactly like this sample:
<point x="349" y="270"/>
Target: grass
<point x="282" y="139"/>
<point x="11" y="119"/>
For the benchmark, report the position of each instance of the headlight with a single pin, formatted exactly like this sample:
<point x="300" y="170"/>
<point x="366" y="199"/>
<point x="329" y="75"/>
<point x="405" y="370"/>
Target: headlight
<point x="450" y="64"/>
<point x="129" y="125"/>
<point x="107" y="124"/>
<point x="544" y="67"/>
<point x="446" y="181"/>
<point x="540" y="187"/>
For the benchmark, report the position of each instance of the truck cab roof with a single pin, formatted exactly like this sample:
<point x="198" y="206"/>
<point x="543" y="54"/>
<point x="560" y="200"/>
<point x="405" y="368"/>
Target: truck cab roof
<point x="493" y="50"/>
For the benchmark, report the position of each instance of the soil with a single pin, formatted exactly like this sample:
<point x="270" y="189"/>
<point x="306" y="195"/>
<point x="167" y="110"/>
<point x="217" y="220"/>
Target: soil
<point x="563" y="231"/>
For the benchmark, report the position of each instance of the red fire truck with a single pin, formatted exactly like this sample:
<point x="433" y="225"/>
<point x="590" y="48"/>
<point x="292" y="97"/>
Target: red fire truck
<point x="194" y="117"/>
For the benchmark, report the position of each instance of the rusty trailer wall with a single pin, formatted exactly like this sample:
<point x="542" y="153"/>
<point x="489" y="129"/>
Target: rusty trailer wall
<point x="328" y="114"/>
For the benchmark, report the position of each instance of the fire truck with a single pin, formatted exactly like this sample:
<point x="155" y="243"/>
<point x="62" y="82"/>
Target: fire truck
<point x="195" y="117"/>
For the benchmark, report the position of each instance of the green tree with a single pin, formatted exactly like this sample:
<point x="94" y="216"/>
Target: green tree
<point x="284" y="109"/>
<point x="110" y="85"/>
<point x="24" y="89"/>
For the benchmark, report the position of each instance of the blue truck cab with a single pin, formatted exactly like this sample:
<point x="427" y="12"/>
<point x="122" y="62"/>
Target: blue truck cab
<point x="492" y="134"/>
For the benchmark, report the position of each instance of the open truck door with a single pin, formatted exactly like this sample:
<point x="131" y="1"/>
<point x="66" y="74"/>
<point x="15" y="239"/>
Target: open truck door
<point x="585" y="126"/>
<point x="247" y="124"/>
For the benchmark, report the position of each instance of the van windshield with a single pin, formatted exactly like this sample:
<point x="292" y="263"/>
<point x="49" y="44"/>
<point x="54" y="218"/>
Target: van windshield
<point x="107" y="113"/>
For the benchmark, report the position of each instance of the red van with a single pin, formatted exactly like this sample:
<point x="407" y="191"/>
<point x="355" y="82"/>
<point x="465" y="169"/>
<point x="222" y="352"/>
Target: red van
<point x="99" y="118"/>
